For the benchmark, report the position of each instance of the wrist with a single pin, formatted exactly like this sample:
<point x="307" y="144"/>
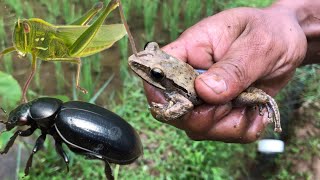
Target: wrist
<point x="307" y="13"/>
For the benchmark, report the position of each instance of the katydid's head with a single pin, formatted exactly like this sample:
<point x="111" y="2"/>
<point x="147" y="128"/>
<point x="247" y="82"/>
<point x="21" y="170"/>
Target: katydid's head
<point x="21" y="35"/>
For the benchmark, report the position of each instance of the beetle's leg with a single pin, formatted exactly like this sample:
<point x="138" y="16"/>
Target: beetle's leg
<point x="88" y="16"/>
<point x="27" y="132"/>
<point x="7" y="50"/>
<point x="39" y="145"/>
<point x="108" y="171"/>
<point x="61" y="152"/>
<point x="26" y="85"/>
<point x="81" y="43"/>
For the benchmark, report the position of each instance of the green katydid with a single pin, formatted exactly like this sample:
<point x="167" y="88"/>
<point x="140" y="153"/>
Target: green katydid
<point x="66" y="43"/>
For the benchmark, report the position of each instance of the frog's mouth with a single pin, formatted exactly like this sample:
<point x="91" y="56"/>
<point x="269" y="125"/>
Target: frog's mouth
<point x="144" y="73"/>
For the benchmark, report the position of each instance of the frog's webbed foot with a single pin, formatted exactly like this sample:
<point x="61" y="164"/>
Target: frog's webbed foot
<point x="257" y="97"/>
<point x="176" y="107"/>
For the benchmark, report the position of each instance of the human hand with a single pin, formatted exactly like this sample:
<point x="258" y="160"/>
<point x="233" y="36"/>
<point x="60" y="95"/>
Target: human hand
<point x="239" y="47"/>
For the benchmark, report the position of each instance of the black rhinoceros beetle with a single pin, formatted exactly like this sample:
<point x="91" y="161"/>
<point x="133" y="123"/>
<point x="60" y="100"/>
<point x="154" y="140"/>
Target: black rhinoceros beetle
<point x="85" y="128"/>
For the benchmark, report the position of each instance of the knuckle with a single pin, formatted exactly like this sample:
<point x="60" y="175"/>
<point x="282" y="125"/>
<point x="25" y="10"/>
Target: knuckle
<point x="263" y="42"/>
<point x="262" y="39"/>
<point x="298" y="48"/>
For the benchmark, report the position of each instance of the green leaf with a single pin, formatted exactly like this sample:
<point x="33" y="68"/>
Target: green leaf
<point x="10" y="91"/>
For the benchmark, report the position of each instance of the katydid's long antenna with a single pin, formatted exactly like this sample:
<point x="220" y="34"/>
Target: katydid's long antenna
<point x="133" y="45"/>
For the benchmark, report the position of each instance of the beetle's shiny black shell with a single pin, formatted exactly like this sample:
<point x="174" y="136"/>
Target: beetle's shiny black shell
<point x="44" y="110"/>
<point x="99" y="132"/>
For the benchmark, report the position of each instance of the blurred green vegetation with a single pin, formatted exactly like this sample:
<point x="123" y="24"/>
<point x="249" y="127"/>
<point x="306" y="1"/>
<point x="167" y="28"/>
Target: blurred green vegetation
<point x="168" y="153"/>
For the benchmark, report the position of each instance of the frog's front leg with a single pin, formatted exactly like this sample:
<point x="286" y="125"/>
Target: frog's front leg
<point x="176" y="107"/>
<point x="257" y="97"/>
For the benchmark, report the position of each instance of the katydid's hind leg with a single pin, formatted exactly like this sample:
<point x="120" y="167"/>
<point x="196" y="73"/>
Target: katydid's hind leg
<point x="89" y="15"/>
<point x="37" y="147"/>
<point x="60" y="151"/>
<point x="74" y="61"/>
<point x="26" y="85"/>
<point x="86" y="37"/>
<point x="108" y="171"/>
<point x="78" y="61"/>
<point x="24" y="133"/>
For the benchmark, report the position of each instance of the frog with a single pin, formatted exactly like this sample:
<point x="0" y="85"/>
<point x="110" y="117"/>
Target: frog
<point x="175" y="78"/>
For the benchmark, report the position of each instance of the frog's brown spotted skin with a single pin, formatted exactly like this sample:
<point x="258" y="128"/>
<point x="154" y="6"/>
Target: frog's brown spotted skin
<point x="176" y="78"/>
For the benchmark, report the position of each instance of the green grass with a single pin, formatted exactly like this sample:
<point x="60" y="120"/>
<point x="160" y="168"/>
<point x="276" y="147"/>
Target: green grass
<point x="37" y="76"/>
<point x="168" y="153"/>
<point x="299" y="149"/>
<point x="59" y="77"/>
<point x="170" y="17"/>
<point x="69" y="11"/>
<point x="192" y="12"/>
<point x="8" y="63"/>
<point x="16" y="5"/>
<point x="248" y="3"/>
<point x="149" y="17"/>
<point x="28" y="9"/>
<point x="2" y="30"/>
<point x="123" y="43"/>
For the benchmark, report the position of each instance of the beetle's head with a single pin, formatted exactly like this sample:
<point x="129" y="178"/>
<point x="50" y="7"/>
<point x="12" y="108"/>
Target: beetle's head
<point x="18" y="117"/>
<point x="21" y="36"/>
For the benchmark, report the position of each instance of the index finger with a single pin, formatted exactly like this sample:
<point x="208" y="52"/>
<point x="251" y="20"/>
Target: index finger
<point x="207" y="41"/>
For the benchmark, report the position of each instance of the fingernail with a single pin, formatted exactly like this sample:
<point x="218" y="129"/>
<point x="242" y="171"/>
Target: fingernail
<point x="215" y="83"/>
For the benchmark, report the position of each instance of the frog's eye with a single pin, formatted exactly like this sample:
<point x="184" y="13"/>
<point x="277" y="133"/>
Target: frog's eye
<point x="157" y="74"/>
